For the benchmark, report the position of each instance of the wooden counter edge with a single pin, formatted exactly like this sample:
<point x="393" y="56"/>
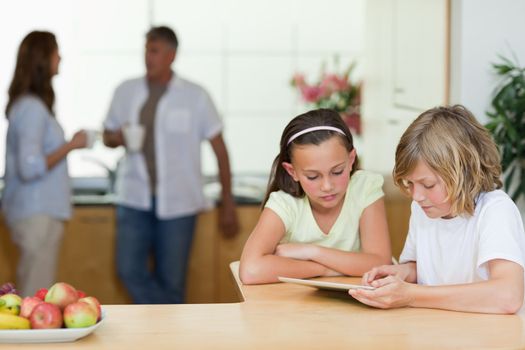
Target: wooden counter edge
<point x="234" y="267"/>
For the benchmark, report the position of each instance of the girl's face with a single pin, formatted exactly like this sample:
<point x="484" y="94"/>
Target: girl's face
<point x="55" y="61"/>
<point x="428" y="190"/>
<point x="323" y="171"/>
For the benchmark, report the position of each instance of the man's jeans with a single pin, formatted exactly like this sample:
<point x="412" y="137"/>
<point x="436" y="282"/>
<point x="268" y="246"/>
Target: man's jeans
<point x="142" y="236"/>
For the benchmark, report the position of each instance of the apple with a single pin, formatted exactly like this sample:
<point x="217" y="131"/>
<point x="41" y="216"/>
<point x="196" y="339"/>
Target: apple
<point x="61" y="294"/>
<point x="79" y="315"/>
<point x="11" y="304"/>
<point x="81" y="293"/>
<point x="94" y="304"/>
<point x="41" y="294"/>
<point x="46" y="315"/>
<point x="28" y="304"/>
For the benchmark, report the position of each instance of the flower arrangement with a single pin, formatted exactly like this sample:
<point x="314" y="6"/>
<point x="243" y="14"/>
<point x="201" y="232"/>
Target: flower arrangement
<point x="335" y="91"/>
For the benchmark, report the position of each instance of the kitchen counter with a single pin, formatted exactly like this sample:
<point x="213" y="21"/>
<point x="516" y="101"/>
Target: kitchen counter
<point x="247" y="190"/>
<point x="286" y="316"/>
<point x="87" y="256"/>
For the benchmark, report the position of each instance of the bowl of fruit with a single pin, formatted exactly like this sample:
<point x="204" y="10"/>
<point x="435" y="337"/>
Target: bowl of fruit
<point x="58" y="314"/>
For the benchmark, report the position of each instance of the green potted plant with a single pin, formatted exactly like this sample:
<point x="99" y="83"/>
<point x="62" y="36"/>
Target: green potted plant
<point x="507" y="124"/>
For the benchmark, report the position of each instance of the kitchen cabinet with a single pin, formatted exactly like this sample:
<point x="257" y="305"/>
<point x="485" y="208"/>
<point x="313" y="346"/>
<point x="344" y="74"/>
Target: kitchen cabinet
<point x="87" y="256"/>
<point x="419" y="53"/>
<point x="407" y="65"/>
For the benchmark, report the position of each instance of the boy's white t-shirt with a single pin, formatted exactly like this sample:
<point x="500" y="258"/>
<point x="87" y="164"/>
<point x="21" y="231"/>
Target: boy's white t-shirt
<point x="457" y="250"/>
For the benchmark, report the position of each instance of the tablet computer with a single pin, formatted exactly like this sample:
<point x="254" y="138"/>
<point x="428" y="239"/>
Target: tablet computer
<point x="324" y="284"/>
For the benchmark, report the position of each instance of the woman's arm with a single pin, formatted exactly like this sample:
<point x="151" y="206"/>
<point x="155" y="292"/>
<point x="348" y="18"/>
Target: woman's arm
<point x="502" y="293"/>
<point x="259" y="264"/>
<point x="79" y="140"/>
<point x="375" y="246"/>
<point x="32" y="163"/>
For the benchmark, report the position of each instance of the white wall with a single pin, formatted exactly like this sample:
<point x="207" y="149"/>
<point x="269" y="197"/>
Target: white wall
<point x="481" y="30"/>
<point x="243" y="51"/>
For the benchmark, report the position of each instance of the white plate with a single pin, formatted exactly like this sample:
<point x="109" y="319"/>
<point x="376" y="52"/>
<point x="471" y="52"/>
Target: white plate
<point x="324" y="284"/>
<point x="59" y="335"/>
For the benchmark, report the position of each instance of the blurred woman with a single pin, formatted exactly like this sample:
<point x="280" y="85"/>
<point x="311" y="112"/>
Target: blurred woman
<point x="37" y="192"/>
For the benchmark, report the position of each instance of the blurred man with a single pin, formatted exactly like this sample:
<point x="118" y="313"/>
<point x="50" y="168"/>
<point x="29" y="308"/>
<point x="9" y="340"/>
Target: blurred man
<point x="159" y="187"/>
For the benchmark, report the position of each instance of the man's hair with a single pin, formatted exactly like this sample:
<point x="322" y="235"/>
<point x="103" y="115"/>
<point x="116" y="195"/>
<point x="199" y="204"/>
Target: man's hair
<point x="457" y="148"/>
<point x="165" y="34"/>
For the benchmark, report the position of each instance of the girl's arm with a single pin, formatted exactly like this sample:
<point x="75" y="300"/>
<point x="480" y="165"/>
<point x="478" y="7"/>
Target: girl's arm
<point x="375" y="246"/>
<point x="501" y="294"/>
<point x="259" y="264"/>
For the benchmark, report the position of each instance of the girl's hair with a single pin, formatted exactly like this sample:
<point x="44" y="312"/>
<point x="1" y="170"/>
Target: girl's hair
<point x="455" y="146"/>
<point x="33" y="69"/>
<point x="279" y="178"/>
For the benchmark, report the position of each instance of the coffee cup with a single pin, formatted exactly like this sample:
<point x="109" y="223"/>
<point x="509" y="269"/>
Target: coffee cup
<point x="133" y="137"/>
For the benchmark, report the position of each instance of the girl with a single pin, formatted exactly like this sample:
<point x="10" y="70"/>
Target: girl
<point x="36" y="197"/>
<point x="321" y="217"/>
<point x="466" y="245"/>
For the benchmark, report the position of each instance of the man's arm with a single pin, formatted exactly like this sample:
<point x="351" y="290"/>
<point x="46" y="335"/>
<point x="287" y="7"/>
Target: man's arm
<point x="113" y="138"/>
<point x="227" y="215"/>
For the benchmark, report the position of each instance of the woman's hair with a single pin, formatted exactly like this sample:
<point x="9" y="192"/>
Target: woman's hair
<point x="33" y="69"/>
<point x="279" y="178"/>
<point x="455" y="146"/>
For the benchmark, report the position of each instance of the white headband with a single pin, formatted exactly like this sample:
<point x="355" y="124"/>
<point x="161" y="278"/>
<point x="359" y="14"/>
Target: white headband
<point x="315" y="128"/>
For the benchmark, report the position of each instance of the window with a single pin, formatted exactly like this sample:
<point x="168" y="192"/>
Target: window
<point x="244" y="52"/>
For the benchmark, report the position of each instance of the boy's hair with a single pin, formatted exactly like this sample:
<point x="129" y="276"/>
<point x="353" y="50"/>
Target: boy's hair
<point x="279" y="178"/>
<point x="456" y="147"/>
<point x="165" y="34"/>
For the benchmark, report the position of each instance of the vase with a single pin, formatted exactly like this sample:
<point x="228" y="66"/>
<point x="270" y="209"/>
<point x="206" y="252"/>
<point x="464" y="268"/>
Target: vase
<point x="353" y="121"/>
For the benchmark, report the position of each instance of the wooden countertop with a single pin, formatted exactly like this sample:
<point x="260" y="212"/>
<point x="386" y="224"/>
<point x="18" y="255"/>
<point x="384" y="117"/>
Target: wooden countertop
<point x="285" y="316"/>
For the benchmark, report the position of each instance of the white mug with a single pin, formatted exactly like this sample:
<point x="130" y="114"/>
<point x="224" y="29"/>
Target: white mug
<point x="133" y="137"/>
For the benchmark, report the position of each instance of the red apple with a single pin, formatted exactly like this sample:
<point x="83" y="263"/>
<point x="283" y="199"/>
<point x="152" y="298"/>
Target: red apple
<point x="28" y="304"/>
<point x="41" y="293"/>
<point x="94" y="304"/>
<point x="61" y="294"/>
<point x="79" y="315"/>
<point x="81" y="293"/>
<point x="46" y="315"/>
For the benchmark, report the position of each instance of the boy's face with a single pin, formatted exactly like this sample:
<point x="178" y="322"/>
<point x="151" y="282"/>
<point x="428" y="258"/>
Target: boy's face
<point x="429" y="191"/>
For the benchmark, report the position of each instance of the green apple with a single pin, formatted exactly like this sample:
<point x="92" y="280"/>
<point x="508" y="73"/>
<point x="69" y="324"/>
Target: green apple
<point x="94" y="304"/>
<point x="11" y="305"/>
<point x="79" y="314"/>
<point x="61" y="294"/>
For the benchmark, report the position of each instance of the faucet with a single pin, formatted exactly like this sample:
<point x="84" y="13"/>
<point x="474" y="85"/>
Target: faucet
<point x="111" y="173"/>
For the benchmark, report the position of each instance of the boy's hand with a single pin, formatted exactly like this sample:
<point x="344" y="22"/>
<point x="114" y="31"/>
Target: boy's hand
<point x="390" y="292"/>
<point x="402" y="271"/>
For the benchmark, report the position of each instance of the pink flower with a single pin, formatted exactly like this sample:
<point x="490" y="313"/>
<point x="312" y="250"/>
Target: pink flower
<point x="311" y="93"/>
<point x="333" y="83"/>
<point x="298" y="80"/>
<point x="335" y="91"/>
